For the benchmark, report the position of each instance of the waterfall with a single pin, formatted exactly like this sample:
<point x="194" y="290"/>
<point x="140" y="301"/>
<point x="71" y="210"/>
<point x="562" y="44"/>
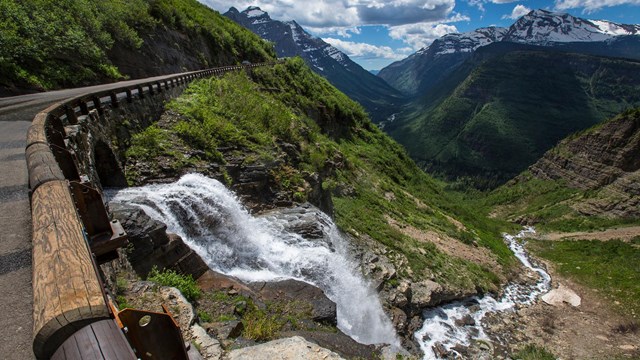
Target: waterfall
<point x="212" y="221"/>
<point x="449" y="325"/>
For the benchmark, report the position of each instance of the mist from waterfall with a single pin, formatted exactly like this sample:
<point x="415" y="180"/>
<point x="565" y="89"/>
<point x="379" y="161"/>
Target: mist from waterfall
<point x="213" y="222"/>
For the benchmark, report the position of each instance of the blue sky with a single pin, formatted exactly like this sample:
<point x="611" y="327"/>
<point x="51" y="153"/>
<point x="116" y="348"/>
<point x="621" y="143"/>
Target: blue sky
<point x="375" y="33"/>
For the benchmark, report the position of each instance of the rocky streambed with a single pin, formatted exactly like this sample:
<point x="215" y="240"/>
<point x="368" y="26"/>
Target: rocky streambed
<point x="458" y="329"/>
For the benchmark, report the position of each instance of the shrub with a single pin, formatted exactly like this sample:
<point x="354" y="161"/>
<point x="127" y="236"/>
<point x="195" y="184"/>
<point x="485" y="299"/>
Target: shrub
<point x="185" y="283"/>
<point x="533" y="352"/>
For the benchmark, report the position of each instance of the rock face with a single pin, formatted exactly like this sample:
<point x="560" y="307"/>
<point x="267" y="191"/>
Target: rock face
<point x="152" y="246"/>
<point x="604" y="160"/>
<point x="294" y="348"/>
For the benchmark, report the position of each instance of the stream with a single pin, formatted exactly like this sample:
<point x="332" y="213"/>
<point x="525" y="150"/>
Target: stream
<point x="459" y="323"/>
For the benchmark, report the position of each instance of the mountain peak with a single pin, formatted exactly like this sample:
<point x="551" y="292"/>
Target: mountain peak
<point x="541" y="27"/>
<point x="256" y="12"/>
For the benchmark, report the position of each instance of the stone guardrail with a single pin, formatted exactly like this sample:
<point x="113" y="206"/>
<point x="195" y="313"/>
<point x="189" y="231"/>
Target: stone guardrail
<point x="70" y="223"/>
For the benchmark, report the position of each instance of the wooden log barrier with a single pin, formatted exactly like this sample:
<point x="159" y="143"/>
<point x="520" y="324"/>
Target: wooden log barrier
<point x="67" y="293"/>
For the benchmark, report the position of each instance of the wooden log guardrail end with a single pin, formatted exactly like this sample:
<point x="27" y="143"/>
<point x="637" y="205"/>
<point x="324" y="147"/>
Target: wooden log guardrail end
<point x="67" y="293"/>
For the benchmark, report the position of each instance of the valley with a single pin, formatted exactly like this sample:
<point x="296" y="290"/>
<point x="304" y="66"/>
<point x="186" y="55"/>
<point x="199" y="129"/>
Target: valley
<point x="478" y="199"/>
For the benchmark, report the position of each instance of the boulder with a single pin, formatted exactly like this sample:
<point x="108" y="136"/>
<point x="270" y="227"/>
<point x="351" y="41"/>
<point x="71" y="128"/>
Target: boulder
<point x="425" y="293"/>
<point x="560" y="296"/>
<point x="293" y="348"/>
<point x="323" y="309"/>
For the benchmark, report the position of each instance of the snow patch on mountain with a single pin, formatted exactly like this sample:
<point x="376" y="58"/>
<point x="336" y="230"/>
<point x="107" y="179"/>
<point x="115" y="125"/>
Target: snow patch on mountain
<point x="541" y="27"/>
<point x="253" y="11"/>
<point x="469" y="41"/>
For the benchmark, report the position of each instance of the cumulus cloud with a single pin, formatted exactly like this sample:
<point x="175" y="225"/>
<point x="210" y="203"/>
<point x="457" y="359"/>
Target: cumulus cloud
<point x="518" y="11"/>
<point x="416" y="22"/>
<point x="368" y="51"/>
<point x="420" y="35"/>
<point x="346" y="13"/>
<point x="590" y="6"/>
<point x="480" y="3"/>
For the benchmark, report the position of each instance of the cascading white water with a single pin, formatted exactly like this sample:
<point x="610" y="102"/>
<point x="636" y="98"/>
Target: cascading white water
<point x="212" y="221"/>
<point x="448" y="325"/>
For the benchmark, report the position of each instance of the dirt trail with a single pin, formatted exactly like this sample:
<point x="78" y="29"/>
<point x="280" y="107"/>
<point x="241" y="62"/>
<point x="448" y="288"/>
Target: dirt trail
<point x="622" y="233"/>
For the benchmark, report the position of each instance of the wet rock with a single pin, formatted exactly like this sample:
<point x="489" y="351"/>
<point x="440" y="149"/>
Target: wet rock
<point x="461" y="350"/>
<point x="305" y="220"/>
<point x="465" y="321"/>
<point x="440" y="350"/>
<point x="399" y="319"/>
<point x="294" y="348"/>
<point x="151" y="245"/>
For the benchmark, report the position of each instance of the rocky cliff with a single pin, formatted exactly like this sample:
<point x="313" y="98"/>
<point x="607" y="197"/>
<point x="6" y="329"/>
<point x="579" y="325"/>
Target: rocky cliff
<point x="604" y="161"/>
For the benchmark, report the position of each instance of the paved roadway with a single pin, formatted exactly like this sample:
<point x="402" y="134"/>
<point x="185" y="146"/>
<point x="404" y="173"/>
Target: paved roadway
<point x="16" y="296"/>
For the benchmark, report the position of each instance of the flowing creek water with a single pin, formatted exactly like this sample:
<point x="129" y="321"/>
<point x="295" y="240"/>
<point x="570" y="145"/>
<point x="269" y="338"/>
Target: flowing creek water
<point x="212" y="221"/>
<point x="450" y="325"/>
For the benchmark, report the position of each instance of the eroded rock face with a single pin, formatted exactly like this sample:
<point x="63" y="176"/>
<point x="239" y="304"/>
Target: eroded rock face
<point x="606" y="160"/>
<point x="151" y="245"/>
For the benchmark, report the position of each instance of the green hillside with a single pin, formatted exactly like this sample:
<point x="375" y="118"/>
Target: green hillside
<point x="500" y="111"/>
<point x="303" y="129"/>
<point x="52" y="44"/>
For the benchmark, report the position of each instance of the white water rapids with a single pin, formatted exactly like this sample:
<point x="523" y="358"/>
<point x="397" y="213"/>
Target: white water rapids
<point x="440" y="323"/>
<point x="211" y="220"/>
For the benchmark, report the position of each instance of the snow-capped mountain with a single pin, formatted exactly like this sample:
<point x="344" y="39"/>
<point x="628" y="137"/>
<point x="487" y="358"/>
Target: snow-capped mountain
<point x="541" y="27"/>
<point x="466" y="42"/>
<point x="291" y="39"/>
<point x="538" y="28"/>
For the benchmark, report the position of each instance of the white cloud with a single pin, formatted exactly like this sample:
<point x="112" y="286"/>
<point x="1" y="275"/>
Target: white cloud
<point x="590" y="6"/>
<point x="420" y="35"/>
<point x="368" y="51"/>
<point x="480" y="3"/>
<point x="346" y="13"/>
<point x="518" y="11"/>
<point x="415" y="22"/>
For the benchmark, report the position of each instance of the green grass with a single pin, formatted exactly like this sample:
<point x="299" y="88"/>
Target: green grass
<point x="533" y="352"/>
<point x="611" y="267"/>
<point x="185" y="283"/>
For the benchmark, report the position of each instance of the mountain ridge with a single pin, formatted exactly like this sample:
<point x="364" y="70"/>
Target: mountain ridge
<point x="538" y="27"/>
<point x="290" y="39"/>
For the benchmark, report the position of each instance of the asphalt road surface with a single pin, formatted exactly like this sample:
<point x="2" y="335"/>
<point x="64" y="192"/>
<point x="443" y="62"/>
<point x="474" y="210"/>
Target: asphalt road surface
<point x="16" y="295"/>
